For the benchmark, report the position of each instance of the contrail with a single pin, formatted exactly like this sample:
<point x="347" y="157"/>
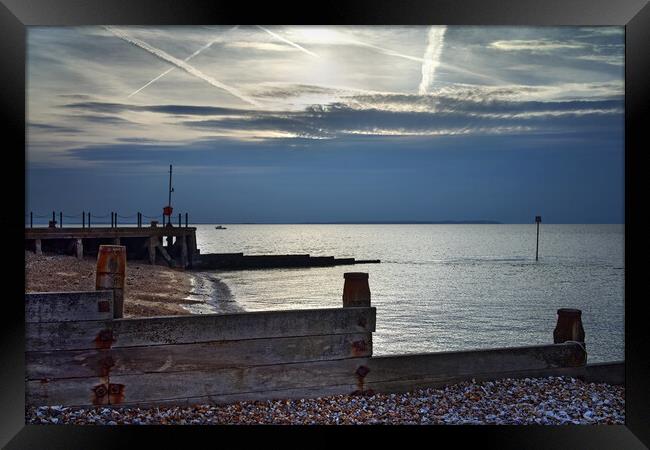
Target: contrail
<point x="182" y="65"/>
<point x="385" y="50"/>
<point x="277" y="36"/>
<point x="431" y="57"/>
<point x="389" y="52"/>
<point x="209" y="44"/>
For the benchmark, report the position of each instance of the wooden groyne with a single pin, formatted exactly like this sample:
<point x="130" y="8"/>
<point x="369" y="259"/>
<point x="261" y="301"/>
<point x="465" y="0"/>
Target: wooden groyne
<point x="239" y="261"/>
<point x="78" y="354"/>
<point x="174" y="245"/>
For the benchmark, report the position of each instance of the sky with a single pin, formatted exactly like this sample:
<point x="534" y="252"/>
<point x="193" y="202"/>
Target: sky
<point x="293" y="124"/>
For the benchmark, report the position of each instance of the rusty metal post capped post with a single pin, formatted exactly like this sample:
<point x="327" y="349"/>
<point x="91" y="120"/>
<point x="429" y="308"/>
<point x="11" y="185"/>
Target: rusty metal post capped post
<point x="356" y="291"/>
<point x="569" y="326"/>
<point x="111" y="270"/>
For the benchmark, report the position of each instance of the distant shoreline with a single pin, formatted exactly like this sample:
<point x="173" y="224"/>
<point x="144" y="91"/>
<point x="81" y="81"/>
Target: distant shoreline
<point x="395" y="222"/>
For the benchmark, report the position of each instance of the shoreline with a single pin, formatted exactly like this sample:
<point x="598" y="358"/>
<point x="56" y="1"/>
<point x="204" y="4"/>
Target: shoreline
<point x="210" y="294"/>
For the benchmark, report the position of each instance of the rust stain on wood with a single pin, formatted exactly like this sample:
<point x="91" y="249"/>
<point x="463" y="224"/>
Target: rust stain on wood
<point x="115" y="393"/>
<point x="100" y="397"/>
<point x="103" y="306"/>
<point x="104" y="366"/>
<point x="104" y="339"/>
<point x="359" y="348"/>
<point x="361" y="373"/>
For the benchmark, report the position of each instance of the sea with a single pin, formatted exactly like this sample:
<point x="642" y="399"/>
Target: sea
<point x="438" y="287"/>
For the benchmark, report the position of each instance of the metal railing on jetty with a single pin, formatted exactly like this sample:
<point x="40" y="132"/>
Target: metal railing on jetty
<point x="85" y="219"/>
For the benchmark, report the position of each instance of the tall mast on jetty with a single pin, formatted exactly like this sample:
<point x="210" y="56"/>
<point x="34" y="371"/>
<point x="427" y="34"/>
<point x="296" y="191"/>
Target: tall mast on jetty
<point x="169" y="203"/>
<point x="167" y="210"/>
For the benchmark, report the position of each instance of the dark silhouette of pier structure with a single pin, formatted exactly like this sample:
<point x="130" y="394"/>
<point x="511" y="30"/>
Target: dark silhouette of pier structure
<point x="172" y="245"/>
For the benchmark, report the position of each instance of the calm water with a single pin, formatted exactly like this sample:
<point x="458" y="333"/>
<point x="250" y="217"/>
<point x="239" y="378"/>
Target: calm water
<point x="442" y="287"/>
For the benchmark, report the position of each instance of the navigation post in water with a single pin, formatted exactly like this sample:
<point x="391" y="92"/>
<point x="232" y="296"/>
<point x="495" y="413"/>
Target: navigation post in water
<point x="538" y="220"/>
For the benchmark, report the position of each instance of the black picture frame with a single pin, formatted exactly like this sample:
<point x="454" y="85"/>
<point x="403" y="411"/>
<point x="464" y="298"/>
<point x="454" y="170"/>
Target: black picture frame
<point x="16" y="15"/>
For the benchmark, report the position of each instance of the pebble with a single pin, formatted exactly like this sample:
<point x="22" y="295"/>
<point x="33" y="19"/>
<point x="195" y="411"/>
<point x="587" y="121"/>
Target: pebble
<point x="545" y="401"/>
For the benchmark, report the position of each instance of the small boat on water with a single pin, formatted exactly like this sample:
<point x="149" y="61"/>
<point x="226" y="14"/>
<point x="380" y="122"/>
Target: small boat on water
<point x="219" y="227"/>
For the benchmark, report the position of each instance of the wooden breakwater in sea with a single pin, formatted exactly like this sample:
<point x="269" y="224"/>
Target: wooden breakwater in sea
<point x="176" y="246"/>
<point x="239" y="261"/>
<point x="77" y="354"/>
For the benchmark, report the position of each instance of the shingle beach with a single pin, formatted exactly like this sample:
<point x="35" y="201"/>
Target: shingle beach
<point x="546" y="401"/>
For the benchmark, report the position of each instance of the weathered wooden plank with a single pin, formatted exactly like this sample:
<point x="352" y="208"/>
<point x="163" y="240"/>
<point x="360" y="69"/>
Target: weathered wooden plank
<point x="48" y="336"/>
<point x="405" y="372"/>
<point x="436" y="381"/>
<point x="73" y="392"/>
<point x="378" y="387"/>
<point x="278" y="394"/>
<point x="197" y="328"/>
<point x="170" y="385"/>
<point x="380" y="374"/>
<point x="452" y="364"/>
<point x="201" y="356"/>
<point x="68" y="306"/>
<point x="609" y="372"/>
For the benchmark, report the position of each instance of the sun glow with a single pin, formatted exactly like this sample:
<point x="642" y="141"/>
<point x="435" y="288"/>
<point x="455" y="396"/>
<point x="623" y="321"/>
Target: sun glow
<point x="316" y="35"/>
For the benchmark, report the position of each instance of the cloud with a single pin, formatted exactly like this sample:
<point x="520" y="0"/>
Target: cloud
<point x="102" y="119"/>
<point x="450" y="110"/>
<point x="614" y="60"/>
<point x="414" y="115"/>
<point x="108" y="107"/>
<point x="603" y="31"/>
<point x="535" y="46"/>
<point x="52" y="128"/>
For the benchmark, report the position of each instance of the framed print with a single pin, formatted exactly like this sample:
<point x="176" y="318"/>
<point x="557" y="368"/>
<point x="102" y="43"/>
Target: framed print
<point x="409" y="216"/>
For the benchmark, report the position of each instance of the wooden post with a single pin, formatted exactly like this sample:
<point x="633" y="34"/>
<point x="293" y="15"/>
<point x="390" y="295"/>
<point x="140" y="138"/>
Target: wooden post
<point x="88" y="219"/>
<point x="110" y="275"/>
<point x="192" y="247"/>
<point x="186" y="216"/>
<point x="356" y="291"/>
<point x="184" y="261"/>
<point x="37" y="247"/>
<point x="152" y="249"/>
<point x="83" y="219"/>
<point x="31" y="220"/>
<point x="569" y="326"/>
<point x="115" y="220"/>
<point x="538" y="220"/>
<point x="179" y="220"/>
<point x="79" y="247"/>
<point x="60" y="219"/>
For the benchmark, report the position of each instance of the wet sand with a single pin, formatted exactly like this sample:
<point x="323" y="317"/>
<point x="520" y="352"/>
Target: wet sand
<point x="149" y="290"/>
